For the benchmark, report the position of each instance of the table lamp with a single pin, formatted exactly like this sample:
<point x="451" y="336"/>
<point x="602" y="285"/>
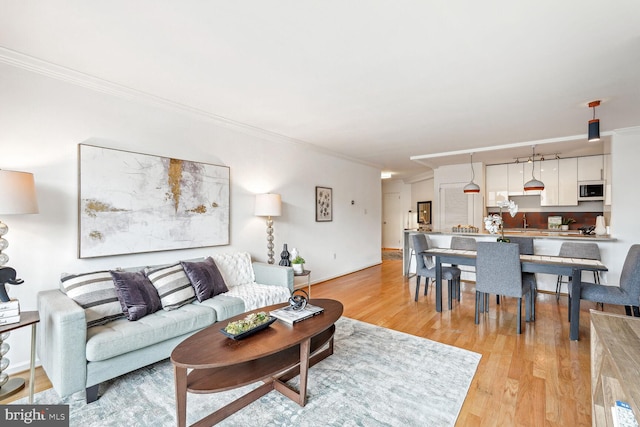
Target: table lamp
<point x="269" y="205"/>
<point x="17" y="196"/>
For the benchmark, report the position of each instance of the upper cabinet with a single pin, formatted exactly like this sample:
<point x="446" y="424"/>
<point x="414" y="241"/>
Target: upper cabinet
<point x="560" y="178"/>
<point x="515" y="179"/>
<point x="568" y="182"/>
<point x="549" y="176"/>
<point x="496" y="181"/>
<point x="591" y="168"/>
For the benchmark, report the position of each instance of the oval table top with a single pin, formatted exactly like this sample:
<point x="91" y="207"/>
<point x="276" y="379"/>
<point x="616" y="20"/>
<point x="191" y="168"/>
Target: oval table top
<point x="210" y="348"/>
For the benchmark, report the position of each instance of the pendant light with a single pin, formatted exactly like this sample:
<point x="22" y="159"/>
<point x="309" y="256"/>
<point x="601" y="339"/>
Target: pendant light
<point x="533" y="184"/>
<point x="594" y="124"/>
<point x="471" y="187"/>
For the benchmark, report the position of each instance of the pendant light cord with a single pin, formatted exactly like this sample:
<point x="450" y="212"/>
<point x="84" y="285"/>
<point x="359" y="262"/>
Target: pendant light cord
<point x="473" y="173"/>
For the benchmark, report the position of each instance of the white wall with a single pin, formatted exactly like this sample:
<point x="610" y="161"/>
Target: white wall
<point x="42" y="121"/>
<point x="625" y="202"/>
<point x="460" y="175"/>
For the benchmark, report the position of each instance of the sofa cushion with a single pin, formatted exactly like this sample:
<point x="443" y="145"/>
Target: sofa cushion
<point x="236" y="268"/>
<point x="122" y="336"/>
<point x="256" y="295"/>
<point x="173" y="286"/>
<point x="136" y="293"/>
<point x="205" y="278"/>
<point x="96" y="293"/>
<point x="225" y="306"/>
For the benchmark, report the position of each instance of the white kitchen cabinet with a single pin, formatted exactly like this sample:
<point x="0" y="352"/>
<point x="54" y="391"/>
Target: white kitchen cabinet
<point x="607" y="178"/>
<point x="515" y="182"/>
<point x="527" y="176"/>
<point x="590" y="168"/>
<point x="568" y="182"/>
<point x="549" y="176"/>
<point x="496" y="184"/>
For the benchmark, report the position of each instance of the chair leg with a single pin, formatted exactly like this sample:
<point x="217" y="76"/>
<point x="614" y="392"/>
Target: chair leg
<point x="519" y="315"/>
<point x="418" y="286"/>
<point x="558" y="287"/>
<point x="627" y="310"/>
<point x="477" y="307"/>
<point x="636" y="311"/>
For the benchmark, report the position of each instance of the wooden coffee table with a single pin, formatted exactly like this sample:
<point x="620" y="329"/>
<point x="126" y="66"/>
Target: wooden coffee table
<point x="274" y="356"/>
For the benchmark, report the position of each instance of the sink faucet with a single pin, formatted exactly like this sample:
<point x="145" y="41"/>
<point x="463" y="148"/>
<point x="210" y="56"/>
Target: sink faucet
<point x="524" y="220"/>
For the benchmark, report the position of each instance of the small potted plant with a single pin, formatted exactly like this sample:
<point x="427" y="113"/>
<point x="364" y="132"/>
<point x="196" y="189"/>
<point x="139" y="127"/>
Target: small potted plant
<point x="566" y="222"/>
<point x="298" y="264"/>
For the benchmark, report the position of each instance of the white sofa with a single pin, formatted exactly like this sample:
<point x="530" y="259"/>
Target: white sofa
<point x="76" y="357"/>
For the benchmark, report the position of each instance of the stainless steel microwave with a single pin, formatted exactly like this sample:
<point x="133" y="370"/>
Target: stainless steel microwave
<point x="590" y="190"/>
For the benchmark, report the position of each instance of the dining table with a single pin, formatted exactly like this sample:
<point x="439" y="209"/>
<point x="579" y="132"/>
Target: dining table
<point x="556" y="265"/>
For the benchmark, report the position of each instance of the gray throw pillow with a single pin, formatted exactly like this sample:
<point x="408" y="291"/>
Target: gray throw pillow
<point x="173" y="286"/>
<point x="136" y="293"/>
<point x="205" y="278"/>
<point x="96" y="294"/>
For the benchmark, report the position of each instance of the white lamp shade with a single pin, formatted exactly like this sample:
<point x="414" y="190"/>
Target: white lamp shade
<point x="17" y="193"/>
<point x="269" y="204"/>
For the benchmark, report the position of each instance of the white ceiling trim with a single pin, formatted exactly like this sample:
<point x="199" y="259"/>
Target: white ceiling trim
<point x="36" y="65"/>
<point x="420" y="158"/>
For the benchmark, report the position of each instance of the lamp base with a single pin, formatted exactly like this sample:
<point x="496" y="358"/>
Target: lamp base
<point x="11" y="387"/>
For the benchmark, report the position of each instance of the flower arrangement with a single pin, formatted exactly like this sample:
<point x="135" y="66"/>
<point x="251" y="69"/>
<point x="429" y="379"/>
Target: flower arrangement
<point x="493" y="223"/>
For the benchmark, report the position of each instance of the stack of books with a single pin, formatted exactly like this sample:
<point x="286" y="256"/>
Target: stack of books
<point x="9" y="312"/>
<point x="291" y="316"/>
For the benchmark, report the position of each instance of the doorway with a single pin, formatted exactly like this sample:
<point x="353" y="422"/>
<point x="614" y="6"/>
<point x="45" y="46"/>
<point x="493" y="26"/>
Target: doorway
<point x="391" y="221"/>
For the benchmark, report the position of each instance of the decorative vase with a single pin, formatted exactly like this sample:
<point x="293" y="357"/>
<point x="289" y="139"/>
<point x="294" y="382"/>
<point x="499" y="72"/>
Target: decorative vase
<point x="600" y="227"/>
<point x="298" y="268"/>
<point x="294" y="253"/>
<point x="564" y="227"/>
<point x="284" y="257"/>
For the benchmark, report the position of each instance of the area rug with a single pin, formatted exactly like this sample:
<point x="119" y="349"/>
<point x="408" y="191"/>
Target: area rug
<point x="376" y="377"/>
<point x="391" y="254"/>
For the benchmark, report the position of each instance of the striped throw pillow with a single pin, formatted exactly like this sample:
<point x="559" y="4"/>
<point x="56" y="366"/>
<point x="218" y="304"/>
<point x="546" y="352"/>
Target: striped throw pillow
<point x="173" y="286"/>
<point x="96" y="293"/>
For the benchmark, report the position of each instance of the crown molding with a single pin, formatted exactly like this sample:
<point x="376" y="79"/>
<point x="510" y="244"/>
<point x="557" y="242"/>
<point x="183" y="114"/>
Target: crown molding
<point x="68" y="75"/>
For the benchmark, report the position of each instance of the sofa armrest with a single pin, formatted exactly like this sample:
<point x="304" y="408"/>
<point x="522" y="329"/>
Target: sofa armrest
<point x="274" y="275"/>
<point x="62" y="341"/>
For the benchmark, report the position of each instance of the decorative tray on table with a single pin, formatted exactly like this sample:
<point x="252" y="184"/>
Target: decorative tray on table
<point x="251" y="324"/>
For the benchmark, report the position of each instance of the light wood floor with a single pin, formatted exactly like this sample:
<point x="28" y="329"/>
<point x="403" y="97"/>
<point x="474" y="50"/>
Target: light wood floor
<point x="539" y="378"/>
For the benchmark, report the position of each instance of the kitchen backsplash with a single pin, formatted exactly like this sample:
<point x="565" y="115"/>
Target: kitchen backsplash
<point x="539" y="219"/>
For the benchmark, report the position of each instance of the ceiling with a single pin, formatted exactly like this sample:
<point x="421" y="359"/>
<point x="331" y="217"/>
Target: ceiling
<point x="376" y="81"/>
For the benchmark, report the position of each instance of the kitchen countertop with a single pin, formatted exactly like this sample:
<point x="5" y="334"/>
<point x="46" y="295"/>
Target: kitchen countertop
<point x="535" y="233"/>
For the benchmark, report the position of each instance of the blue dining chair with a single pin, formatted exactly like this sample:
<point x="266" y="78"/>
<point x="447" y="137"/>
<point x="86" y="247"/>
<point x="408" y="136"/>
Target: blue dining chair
<point x="425" y="267"/>
<point x="498" y="271"/>
<point x="627" y="294"/>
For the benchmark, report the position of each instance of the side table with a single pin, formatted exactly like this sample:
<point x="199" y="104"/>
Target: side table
<point x="307" y="274"/>
<point x="16" y="384"/>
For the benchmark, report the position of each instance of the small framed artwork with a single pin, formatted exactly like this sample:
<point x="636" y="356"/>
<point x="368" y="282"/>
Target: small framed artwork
<point x="324" y="204"/>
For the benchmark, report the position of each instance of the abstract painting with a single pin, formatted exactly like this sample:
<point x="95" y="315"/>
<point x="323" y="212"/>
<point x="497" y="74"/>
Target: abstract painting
<point x="131" y="203"/>
<point x="324" y="204"/>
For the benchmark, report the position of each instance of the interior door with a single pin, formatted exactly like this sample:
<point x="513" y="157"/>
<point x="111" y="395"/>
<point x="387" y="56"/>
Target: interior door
<point x="391" y="221"/>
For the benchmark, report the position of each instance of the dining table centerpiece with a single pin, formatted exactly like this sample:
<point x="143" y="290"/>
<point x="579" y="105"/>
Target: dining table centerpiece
<point x="493" y="223"/>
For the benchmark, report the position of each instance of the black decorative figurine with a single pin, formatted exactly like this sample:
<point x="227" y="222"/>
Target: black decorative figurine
<point x="284" y="257"/>
<point x="7" y="275"/>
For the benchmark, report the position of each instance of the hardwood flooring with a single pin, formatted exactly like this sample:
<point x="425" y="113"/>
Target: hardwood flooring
<point x="538" y="378"/>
